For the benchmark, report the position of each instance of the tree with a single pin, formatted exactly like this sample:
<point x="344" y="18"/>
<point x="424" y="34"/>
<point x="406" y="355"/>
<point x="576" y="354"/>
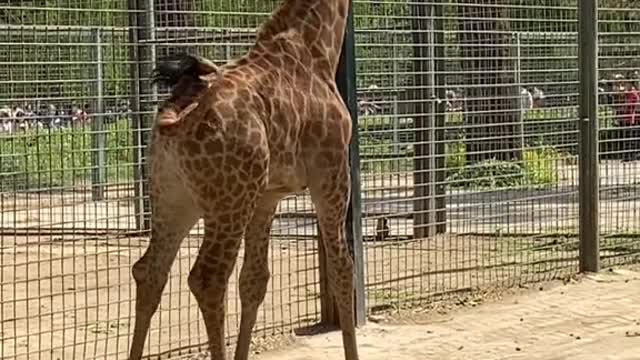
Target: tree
<point x="174" y="21"/>
<point x="492" y="116"/>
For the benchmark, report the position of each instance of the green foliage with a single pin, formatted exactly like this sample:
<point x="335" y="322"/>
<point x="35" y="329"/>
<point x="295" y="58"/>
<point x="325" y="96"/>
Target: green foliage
<point x="51" y="58"/>
<point x="538" y="167"/>
<point x="487" y="174"/>
<point x="67" y="13"/>
<point x="546" y="114"/>
<point x="619" y="35"/>
<point x="62" y="157"/>
<point x="379" y="154"/>
<point x="39" y="59"/>
<point x="380" y="15"/>
<point x="454" y="118"/>
<point x="456" y="156"/>
<point x="384" y="42"/>
<point x="232" y="14"/>
<point x="564" y="113"/>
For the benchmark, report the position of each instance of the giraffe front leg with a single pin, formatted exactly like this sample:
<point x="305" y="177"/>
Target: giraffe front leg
<point x="254" y="276"/>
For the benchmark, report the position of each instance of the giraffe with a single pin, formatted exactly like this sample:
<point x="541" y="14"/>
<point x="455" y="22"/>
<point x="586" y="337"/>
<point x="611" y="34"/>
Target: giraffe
<point x="227" y="145"/>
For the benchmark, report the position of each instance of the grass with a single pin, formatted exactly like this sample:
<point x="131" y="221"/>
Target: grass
<point x="40" y="159"/>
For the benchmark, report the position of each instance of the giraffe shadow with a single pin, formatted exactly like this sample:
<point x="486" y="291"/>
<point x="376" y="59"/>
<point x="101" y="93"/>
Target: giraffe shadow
<point x="316" y="329"/>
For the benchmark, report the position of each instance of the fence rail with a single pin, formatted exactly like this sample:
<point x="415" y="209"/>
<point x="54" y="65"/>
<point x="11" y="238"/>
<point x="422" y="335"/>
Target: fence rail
<point x="473" y="164"/>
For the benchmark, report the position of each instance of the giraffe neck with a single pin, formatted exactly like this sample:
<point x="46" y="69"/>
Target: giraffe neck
<point x="321" y="23"/>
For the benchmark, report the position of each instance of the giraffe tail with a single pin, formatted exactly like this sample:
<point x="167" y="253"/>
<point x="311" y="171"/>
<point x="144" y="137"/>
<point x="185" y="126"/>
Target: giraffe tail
<point x="170" y="70"/>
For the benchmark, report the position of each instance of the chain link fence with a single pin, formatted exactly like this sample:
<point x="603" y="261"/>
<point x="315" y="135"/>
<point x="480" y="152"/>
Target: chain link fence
<point x="469" y="147"/>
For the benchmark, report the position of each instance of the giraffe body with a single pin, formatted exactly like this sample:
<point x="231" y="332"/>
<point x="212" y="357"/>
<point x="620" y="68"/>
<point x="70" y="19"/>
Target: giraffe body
<point x="227" y="146"/>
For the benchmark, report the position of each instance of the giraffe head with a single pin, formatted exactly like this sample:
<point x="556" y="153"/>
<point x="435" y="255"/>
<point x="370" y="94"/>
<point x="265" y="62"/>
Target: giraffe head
<point x="187" y="76"/>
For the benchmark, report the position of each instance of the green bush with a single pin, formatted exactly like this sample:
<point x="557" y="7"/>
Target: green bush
<point x="456" y="155"/>
<point x="41" y="159"/>
<point x="538" y="167"/>
<point x="489" y="173"/>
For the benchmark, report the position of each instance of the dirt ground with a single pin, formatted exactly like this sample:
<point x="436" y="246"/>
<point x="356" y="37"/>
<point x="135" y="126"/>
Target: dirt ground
<point x="74" y="299"/>
<point x="596" y="318"/>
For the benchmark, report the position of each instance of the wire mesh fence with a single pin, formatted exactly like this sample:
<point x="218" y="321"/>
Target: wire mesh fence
<point x="469" y="172"/>
<point x="468" y="126"/>
<point x="619" y="132"/>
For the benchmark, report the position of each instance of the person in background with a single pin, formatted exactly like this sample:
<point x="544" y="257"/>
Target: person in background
<point x="538" y="97"/>
<point x="526" y="100"/>
<point x="618" y="90"/>
<point x="636" y="79"/>
<point x="6" y="121"/>
<point x="628" y="122"/>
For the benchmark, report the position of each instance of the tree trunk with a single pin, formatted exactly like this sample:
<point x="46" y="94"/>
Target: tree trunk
<point x="175" y="21"/>
<point x="492" y="114"/>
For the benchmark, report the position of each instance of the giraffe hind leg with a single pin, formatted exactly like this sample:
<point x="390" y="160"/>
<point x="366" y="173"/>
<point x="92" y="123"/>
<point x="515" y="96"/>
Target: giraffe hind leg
<point x="172" y="216"/>
<point x="209" y="277"/>
<point x="225" y="224"/>
<point x="330" y="190"/>
<point x="254" y="276"/>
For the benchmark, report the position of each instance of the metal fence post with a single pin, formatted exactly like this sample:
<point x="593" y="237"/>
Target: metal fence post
<point x="141" y="31"/>
<point x="98" y="143"/>
<point x="588" y="145"/>
<point x="346" y="81"/>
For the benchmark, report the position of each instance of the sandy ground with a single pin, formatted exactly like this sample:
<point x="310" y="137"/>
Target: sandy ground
<point x="597" y="318"/>
<point x="66" y="299"/>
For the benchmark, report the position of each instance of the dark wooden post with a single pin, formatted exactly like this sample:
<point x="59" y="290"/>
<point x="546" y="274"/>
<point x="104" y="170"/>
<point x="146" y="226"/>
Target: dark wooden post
<point x="346" y="81"/>
<point x="429" y="154"/>
<point x="145" y="18"/>
<point x="589" y="186"/>
<point x="140" y="58"/>
<point x="491" y="111"/>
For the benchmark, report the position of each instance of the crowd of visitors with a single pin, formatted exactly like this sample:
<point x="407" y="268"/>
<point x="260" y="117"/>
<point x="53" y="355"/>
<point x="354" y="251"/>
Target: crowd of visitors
<point x="52" y="116"/>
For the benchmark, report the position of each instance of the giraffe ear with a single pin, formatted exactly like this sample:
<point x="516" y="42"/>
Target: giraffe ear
<point x="173" y="68"/>
<point x="167" y="117"/>
<point x="170" y="115"/>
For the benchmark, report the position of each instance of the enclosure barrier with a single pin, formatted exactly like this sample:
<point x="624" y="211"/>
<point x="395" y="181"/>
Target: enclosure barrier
<point x="493" y="145"/>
